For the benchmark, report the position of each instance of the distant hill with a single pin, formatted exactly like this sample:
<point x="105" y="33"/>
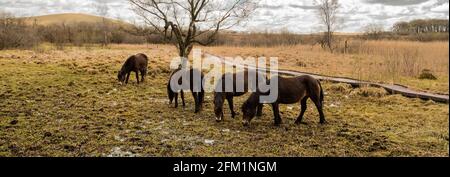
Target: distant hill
<point x="69" y="18"/>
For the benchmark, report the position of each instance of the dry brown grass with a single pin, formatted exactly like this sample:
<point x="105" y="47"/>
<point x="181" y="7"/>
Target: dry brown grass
<point x="68" y="103"/>
<point x="395" y="62"/>
<point x="410" y="57"/>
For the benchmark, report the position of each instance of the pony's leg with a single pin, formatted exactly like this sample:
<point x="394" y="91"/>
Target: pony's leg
<point x="201" y="99"/>
<point x="276" y="113"/>
<point x="196" y="100"/>
<point x="303" y="107"/>
<point x="231" y="105"/>
<point x="137" y="76"/>
<point x="128" y="77"/>
<point x="143" y="74"/>
<point x="182" y="98"/>
<point x="170" y="94"/>
<point x="176" y="100"/>
<point x="319" y="107"/>
<point x="259" y="111"/>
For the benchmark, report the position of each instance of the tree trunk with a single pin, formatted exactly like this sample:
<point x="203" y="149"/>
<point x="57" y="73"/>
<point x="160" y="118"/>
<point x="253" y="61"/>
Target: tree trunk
<point x="105" y="35"/>
<point x="105" y="38"/>
<point x="184" y="52"/>
<point x="329" y="39"/>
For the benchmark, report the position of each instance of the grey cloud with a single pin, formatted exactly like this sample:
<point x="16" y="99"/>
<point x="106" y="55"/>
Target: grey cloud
<point x="297" y="15"/>
<point x="437" y="4"/>
<point x="108" y="1"/>
<point x="292" y="5"/>
<point x="396" y="2"/>
<point x="383" y="16"/>
<point x="303" y="7"/>
<point x="267" y="13"/>
<point x="273" y="7"/>
<point x="441" y="2"/>
<point x="352" y="19"/>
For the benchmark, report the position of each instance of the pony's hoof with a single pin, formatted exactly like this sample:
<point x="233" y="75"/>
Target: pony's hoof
<point x="246" y="123"/>
<point x="234" y="115"/>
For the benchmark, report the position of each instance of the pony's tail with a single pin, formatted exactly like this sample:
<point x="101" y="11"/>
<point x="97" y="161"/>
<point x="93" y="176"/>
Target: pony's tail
<point x="316" y="96"/>
<point x="321" y="92"/>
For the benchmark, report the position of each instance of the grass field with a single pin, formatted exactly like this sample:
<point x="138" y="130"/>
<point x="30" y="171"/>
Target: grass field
<point x="393" y="62"/>
<point x="68" y="103"/>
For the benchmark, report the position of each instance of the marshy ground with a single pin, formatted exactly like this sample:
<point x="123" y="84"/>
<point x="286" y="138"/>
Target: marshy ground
<point x="68" y="103"/>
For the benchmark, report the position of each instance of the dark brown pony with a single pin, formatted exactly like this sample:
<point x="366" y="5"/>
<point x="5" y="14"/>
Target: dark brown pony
<point x="290" y="91"/>
<point x="219" y="97"/>
<point x="198" y="96"/>
<point x="135" y="63"/>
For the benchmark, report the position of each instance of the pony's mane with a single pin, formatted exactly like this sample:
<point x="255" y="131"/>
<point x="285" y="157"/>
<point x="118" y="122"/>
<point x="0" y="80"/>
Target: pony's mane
<point x="128" y="62"/>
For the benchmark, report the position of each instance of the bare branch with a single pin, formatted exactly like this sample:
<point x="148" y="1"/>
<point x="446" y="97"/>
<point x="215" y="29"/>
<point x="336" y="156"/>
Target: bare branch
<point x="327" y="13"/>
<point x="188" y="20"/>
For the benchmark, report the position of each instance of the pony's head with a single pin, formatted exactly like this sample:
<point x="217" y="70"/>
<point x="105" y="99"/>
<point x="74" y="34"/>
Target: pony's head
<point x="121" y="76"/>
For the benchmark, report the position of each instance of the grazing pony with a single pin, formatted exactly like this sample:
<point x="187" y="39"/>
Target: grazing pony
<point x="219" y="97"/>
<point x="290" y="91"/>
<point x="198" y="95"/>
<point x="135" y="63"/>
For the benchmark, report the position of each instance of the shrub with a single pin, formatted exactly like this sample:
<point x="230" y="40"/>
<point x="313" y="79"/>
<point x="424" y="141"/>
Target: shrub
<point x="427" y="74"/>
<point x="369" y="92"/>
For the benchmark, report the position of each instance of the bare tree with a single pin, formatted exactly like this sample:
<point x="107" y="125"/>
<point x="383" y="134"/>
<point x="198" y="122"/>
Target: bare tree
<point x="189" y="22"/>
<point x="327" y="11"/>
<point x="14" y="33"/>
<point x="102" y="10"/>
<point x="421" y="26"/>
<point x="373" y="31"/>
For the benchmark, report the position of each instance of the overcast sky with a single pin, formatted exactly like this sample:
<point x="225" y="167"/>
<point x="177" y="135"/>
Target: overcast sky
<point x="272" y="15"/>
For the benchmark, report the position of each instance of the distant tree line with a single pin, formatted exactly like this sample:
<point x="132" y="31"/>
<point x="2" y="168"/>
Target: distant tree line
<point x="87" y="33"/>
<point x="16" y="33"/>
<point x="416" y="30"/>
<point x="421" y="26"/>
